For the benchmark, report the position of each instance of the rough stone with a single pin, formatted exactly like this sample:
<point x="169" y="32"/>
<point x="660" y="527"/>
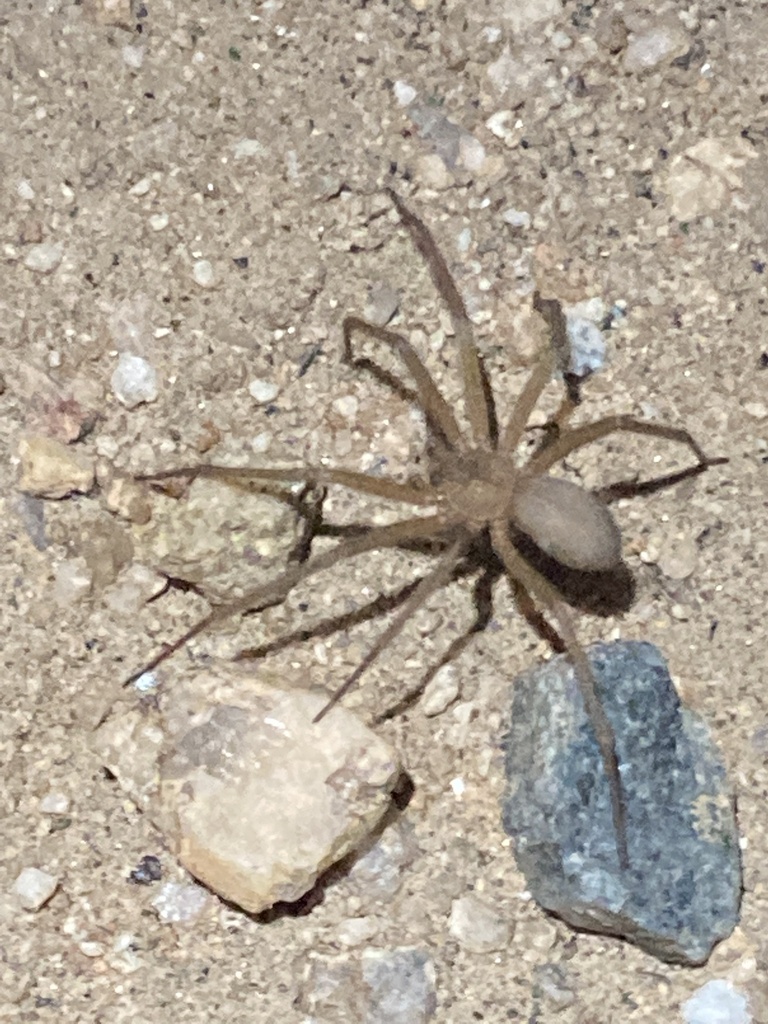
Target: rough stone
<point x="682" y="890"/>
<point x="716" y="1002"/>
<point x="401" y="984"/>
<point x="655" y="45"/>
<point x="44" y="258"/>
<point x="180" y="902"/>
<point x="381" y="987"/>
<point x="254" y="798"/>
<point x="33" y="888"/>
<point x="379" y="872"/>
<point x="134" y="381"/>
<point x="441" y="691"/>
<point x="50" y="469"/>
<point x="478" y="927"/>
<point x="222" y="539"/>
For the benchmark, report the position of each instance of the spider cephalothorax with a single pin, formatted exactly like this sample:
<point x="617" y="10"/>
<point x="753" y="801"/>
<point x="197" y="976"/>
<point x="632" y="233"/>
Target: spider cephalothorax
<point x="476" y="503"/>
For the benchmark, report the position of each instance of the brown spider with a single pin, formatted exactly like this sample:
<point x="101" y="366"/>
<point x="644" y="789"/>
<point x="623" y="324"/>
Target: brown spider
<point x="477" y="504"/>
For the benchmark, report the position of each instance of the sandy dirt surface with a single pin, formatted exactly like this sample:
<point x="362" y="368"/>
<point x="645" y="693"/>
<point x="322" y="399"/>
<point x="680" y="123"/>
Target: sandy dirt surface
<point x="264" y="132"/>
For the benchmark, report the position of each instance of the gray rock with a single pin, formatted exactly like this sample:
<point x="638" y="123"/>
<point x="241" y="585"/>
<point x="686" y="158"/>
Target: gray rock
<point x="379" y="872"/>
<point x="716" y="1002"/>
<point x="382" y="986"/>
<point x="401" y="985"/>
<point x="682" y="891"/>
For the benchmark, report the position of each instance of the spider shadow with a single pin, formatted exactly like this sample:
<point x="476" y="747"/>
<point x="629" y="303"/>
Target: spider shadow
<point x="599" y="592"/>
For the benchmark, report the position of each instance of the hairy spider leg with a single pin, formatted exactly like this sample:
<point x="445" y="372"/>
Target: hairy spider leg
<point x="439" y="414"/>
<point x="478" y="400"/>
<point x="244" y="476"/>
<point x="278" y="589"/>
<point x="577" y="437"/>
<point x="380" y="605"/>
<point x="540" y="376"/>
<point x="437" y="578"/>
<point x="523" y="574"/>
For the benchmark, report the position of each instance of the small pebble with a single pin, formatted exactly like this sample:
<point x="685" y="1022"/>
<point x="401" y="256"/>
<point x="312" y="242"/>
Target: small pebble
<point x="658" y="44"/>
<point x="50" y="469"/>
<point x="346" y="406"/>
<point x="202" y="272"/>
<point x="134" y="381"/>
<point x="33" y="888"/>
<point x="441" y="691"/>
<point x="44" y="258"/>
<point x="180" y="903"/>
<point x="91" y="948"/>
<point x="516" y="218"/>
<point x="400" y="985"/>
<point x="246" y="148"/>
<point x="73" y="582"/>
<point x="432" y="172"/>
<point x="263" y="391"/>
<point x="133" y="56"/>
<point x="758" y="410"/>
<point x="141" y="187"/>
<point x="355" y="931"/>
<point x="717" y="1002"/>
<point x="552" y="980"/>
<point x="126" y="497"/>
<point x="148" y="870"/>
<point x="380" y="871"/>
<point x="383" y="302"/>
<point x="404" y="94"/>
<point x="477" y="927"/>
<point x="561" y="40"/>
<point x="501" y="123"/>
<point x="55" y="803"/>
<point x="158" y="221"/>
<point x="678" y="558"/>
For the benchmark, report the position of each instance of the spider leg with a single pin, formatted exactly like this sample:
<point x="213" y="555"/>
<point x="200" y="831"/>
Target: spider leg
<point x="278" y="589"/>
<point x="555" y="355"/>
<point x="320" y="476"/>
<point x="483" y="602"/>
<point x="440" y="575"/>
<point x="526" y="576"/>
<point x="635" y="488"/>
<point x="478" y="398"/>
<point x="527" y="399"/>
<point x="381" y="605"/>
<point x="439" y="414"/>
<point x="577" y="437"/>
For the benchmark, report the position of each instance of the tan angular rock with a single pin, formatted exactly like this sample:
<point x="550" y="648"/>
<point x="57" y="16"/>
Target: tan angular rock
<point x="50" y="469"/>
<point x="254" y="798"/>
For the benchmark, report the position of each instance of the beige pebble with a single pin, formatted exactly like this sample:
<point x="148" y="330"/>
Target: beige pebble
<point x="678" y="558"/>
<point x="50" y="469"/>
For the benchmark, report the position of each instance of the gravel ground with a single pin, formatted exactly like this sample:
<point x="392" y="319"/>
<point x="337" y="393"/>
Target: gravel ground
<point x="205" y="184"/>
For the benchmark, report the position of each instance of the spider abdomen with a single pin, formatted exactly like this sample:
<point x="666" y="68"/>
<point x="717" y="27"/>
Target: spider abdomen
<point x="567" y="522"/>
